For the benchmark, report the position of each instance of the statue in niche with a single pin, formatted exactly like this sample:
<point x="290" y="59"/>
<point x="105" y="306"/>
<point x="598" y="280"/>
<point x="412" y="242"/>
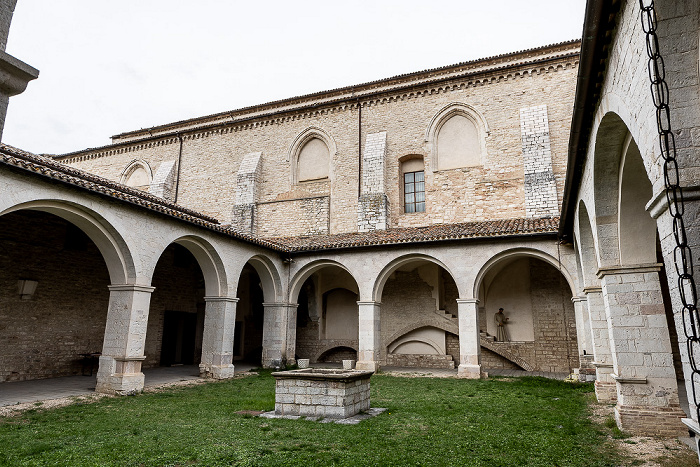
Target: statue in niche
<point x="501" y="331"/>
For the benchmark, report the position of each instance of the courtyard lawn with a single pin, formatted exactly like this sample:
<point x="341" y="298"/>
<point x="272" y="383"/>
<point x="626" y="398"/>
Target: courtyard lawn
<point x="495" y="422"/>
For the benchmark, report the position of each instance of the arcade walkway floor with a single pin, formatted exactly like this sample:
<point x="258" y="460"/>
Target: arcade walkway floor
<point x="68" y="386"/>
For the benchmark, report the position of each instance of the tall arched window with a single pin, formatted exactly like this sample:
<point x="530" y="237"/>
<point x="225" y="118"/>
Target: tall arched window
<point x="456" y="137"/>
<point x="413" y="183"/>
<point x="314" y="158"/>
<point x="310" y="155"/>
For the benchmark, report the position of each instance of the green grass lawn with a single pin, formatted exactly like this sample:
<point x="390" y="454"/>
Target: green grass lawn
<point x="494" y="422"/>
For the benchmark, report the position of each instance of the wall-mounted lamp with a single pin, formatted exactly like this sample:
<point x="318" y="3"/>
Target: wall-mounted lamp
<point x="26" y="288"/>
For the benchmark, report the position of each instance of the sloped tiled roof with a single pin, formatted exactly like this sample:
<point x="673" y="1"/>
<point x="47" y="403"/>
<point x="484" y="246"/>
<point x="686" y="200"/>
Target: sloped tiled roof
<point x="432" y="233"/>
<point x="46" y="167"/>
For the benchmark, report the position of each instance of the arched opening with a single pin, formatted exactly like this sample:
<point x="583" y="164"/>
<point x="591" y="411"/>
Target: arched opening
<point x="419" y="325"/>
<point x="537" y="324"/>
<point x="176" y="316"/>
<point x="327" y="314"/>
<point x="55" y="326"/>
<point x="250" y="314"/>
<point x="638" y="236"/>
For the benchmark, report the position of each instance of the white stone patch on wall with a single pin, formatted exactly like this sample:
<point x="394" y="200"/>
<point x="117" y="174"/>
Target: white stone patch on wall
<point x="373" y="205"/>
<point x="540" y="185"/>
<point x="248" y="180"/>
<point x="163" y="184"/>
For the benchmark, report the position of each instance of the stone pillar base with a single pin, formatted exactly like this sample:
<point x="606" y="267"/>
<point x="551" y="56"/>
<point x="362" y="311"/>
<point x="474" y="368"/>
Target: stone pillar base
<point x="469" y="371"/>
<point x="651" y="421"/>
<point x="120" y="376"/>
<point x="605" y="391"/>
<point x="125" y="384"/>
<point x="216" y="371"/>
<point x="368" y="365"/>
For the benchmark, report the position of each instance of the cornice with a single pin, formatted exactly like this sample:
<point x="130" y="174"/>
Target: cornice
<point x="321" y="107"/>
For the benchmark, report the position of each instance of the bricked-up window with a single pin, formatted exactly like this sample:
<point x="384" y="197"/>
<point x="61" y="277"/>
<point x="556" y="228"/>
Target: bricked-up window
<point x="414" y="191"/>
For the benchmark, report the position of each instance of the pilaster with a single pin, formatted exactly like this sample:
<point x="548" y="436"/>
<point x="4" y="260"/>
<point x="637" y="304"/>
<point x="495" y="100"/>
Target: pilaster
<point x="647" y="392"/>
<point x="369" y="354"/>
<point x="217" y="342"/>
<point x="600" y="340"/>
<point x="586" y="370"/>
<point x="469" y="346"/>
<point x="125" y="338"/>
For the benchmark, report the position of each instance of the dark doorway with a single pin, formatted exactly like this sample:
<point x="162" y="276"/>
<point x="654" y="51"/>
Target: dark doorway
<point x="179" y="333"/>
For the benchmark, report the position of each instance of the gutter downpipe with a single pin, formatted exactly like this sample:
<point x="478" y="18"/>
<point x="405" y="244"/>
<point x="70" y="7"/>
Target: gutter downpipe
<point x="179" y="160"/>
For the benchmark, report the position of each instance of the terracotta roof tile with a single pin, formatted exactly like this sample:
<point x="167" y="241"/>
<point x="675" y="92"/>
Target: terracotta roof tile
<point x="44" y="166"/>
<point x="432" y="233"/>
<point x="52" y="169"/>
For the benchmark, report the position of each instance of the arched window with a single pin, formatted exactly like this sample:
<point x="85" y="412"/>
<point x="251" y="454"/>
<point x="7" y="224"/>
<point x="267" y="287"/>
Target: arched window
<point x="456" y="136"/>
<point x="137" y="175"/>
<point x="313" y="161"/>
<point x="310" y="155"/>
<point x="413" y="183"/>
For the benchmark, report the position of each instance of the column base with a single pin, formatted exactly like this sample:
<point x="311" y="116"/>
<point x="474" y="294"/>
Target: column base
<point x="605" y="391"/>
<point x="469" y="371"/>
<point x="651" y="421"/>
<point x="125" y="384"/>
<point x="120" y="376"/>
<point x="216" y="371"/>
<point x="367" y="365"/>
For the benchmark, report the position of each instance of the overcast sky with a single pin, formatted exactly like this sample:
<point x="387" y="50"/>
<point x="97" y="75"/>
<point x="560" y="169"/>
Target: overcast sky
<point x="112" y="66"/>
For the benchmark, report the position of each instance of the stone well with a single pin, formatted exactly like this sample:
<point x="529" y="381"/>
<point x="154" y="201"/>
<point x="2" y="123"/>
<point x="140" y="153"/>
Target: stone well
<point x="317" y="392"/>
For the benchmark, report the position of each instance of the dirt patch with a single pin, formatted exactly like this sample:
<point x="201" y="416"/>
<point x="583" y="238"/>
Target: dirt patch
<point x="642" y="451"/>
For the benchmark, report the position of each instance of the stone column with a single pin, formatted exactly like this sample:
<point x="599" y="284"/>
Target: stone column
<point x="124" y="341"/>
<point x="647" y="393"/>
<point x="290" y="343"/>
<point x="275" y="323"/>
<point x="469" y="345"/>
<point x="586" y="370"/>
<point x="605" y="388"/>
<point x="369" y="354"/>
<point x="217" y="342"/>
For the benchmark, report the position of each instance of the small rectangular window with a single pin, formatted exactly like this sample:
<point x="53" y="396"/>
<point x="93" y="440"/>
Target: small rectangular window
<point x="414" y="192"/>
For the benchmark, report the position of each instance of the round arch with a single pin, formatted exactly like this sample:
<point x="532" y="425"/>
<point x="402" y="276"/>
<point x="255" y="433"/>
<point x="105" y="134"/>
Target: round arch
<point x="299" y="142"/>
<point x="514" y="253"/>
<point x="133" y="166"/>
<point x="209" y="261"/>
<point x="112" y="246"/>
<point x="305" y="272"/>
<point x="587" y="251"/>
<point x="269" y="277"/>
<point x="445" y="114"/>
<point x="396" y="263"/>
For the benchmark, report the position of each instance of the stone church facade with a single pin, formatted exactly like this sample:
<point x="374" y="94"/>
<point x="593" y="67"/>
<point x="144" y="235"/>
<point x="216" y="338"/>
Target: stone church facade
<point x="385" y="222"/>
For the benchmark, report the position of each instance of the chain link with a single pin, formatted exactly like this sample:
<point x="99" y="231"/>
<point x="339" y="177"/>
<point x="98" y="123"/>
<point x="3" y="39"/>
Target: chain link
<point x="682" y="255"/>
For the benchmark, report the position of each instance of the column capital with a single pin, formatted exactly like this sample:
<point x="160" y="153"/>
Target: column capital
<point x="370" y="302"/>
<point x="130" y="288"/>
<point x="576" y="299"/>
<point x="629" y="269"/>
<point x="221" y="299"/>
<point x="593" y="289"/>
<point x="475" y="301"/>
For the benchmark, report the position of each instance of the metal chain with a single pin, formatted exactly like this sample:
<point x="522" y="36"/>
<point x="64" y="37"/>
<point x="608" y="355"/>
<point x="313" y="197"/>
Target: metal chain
<point x="682" y="256"/>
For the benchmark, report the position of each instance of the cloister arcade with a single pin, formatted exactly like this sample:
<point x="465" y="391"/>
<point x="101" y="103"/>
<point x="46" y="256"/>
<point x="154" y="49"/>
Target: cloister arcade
<point x="147" y="289"/>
